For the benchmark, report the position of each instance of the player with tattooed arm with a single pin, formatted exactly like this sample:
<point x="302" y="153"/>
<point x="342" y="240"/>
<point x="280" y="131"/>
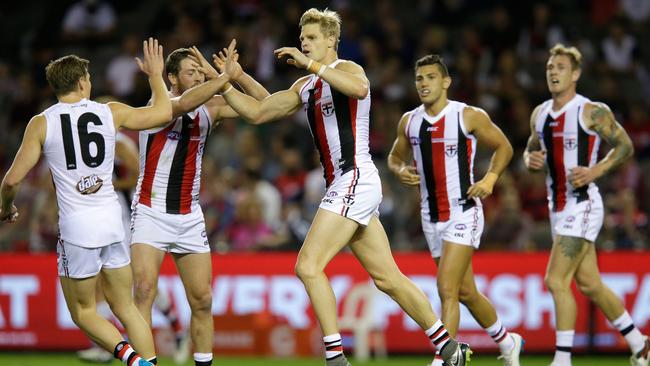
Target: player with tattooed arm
<point x="566" y="132"/>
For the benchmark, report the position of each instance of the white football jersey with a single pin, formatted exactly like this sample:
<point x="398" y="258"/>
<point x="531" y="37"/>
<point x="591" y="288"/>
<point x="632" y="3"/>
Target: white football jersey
<point x="568" y="143"/>
<point x="340" y="126"/>
<point x="79" y="149"/>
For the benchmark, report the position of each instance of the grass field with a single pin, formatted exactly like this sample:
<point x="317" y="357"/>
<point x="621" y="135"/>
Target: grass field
<point x="68" y="359"/>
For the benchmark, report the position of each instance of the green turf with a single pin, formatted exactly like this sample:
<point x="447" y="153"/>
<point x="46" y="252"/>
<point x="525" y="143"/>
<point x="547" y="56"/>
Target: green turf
<point x="68" y="359"/>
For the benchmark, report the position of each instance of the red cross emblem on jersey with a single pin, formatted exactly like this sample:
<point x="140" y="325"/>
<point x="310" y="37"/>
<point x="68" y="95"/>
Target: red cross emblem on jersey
<point x="327" y="108"/>
<point x="451" y="150"/>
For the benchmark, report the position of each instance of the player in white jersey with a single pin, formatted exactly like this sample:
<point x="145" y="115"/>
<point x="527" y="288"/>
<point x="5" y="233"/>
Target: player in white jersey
<point x="77" y="138"/>
<point x="434" y="150"/>
<point x="565" y="135"/>
<point x="336" y="97"/>
<point x="166" y="215"/>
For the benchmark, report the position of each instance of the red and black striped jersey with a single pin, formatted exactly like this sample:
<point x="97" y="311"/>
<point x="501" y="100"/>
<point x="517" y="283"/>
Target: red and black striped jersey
<point x="444" y="153"/>
<point x="170" y="163"/>
<point x="340" y="126"/>
<point x="568" y="143"/>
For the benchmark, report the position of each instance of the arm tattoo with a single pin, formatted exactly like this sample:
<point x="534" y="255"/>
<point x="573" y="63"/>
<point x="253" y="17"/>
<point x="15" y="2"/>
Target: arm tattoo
<point x="609" y="130"/>
<point x="571" y="246"/>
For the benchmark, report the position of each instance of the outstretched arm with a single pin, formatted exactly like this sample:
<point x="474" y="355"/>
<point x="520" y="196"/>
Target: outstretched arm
<point x="27" y="156"/>
<point x="479" y="124"/>
<point x="534" y="156"/>
<point x="599" y="118"/>
<point x="401" y="153"/>
<point x="347" y="77"/>
<point x="159" y="113"/>
<point x="247" y="83"/>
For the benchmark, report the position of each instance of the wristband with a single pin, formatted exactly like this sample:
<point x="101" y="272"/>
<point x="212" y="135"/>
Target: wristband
<point x="229" y="88"/>
<point x="322" y="68"/>
<point x="314" y="66"/>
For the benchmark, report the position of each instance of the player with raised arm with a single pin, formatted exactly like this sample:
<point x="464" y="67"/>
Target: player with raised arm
<point x="566" y="132"/>
<point x="336" y="97"/>
<point x="166" y="215"/>
<point x="77" y="138"/>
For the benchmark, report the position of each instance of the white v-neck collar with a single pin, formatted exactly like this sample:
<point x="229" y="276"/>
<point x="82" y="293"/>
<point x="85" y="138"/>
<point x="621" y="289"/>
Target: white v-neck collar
<point x="555" y="114"/>
<point x="437" y="117"/>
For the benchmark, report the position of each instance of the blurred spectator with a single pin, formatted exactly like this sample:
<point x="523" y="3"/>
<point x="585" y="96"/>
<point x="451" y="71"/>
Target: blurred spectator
<point x="620" y="49"/>
<point x="122" y="69"/>
<point x="89" y="20"/>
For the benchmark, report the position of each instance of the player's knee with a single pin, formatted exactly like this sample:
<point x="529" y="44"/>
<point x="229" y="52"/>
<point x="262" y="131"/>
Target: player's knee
<point x="144" y="290"/>
<point x="80" y="315"/>
<point x="386" y="284"/>
<point x="590" y="288"/>
<point x="305" y="271"/>
<point x="201" y="301"/>
<point x="467" y="294"/>
<point x="555" y="284"/>
<point x="448" y="291"/>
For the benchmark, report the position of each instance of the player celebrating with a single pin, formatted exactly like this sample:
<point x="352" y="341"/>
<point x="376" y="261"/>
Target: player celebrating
<point x="336" y="98"/>
<point x="566" y="132"/>
<point x="166" y="215"/>
<point x="77" y="138"/>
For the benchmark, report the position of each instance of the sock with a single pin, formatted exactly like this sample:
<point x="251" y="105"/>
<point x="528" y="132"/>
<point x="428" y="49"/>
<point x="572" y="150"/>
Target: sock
<point x="632" y="335"/>
<point x="153" y="360"/>
<point x="563" y="344"/>
<point x="125" y="353"/>
<point x="203" y="359"/>
<point x="501" y="336"/>
<point x="333" y="346"/>
<point x="441" y="340"/>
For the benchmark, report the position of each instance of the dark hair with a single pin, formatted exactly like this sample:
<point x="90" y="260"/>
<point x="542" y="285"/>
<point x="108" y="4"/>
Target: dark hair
<point x="173" y="62"/>
<point x="433" y="60"/>
<point x="64" y="73"/>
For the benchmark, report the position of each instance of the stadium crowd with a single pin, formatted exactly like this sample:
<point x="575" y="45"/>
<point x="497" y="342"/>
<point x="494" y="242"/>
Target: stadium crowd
<point x="262" y="185"/>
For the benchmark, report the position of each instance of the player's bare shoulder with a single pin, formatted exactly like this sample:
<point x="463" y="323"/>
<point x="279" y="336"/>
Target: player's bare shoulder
<point x="474" y="117"/>
<point x="595" y="113"/>
<point x="300" y="83"/>
<point x="349" y="66"/>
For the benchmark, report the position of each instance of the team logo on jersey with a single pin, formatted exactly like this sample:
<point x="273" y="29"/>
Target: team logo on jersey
<point x="174" y="135"/>
<point x="451" y="150"/>
<point x="327" y="107"/>
<point x="348" y="199"/>
<point x="570" y="143"/>
<point x="415" y="141"/>
<point x="90" y="184"/>
<point x="460" y="227"/>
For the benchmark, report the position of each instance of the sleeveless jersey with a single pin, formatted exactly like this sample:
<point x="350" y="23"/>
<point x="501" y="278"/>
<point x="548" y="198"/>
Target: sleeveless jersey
<point x="170" y="163"/>
<point x="568" y="143"/>
<point x="79" y="149"/>
<point x="340" y="126"/>
<point x="444" y="157"/>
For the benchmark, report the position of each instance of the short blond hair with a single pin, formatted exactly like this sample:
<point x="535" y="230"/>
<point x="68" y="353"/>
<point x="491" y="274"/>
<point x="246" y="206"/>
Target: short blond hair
<point x="329" y="21"/>
<point x="571" y="52"/>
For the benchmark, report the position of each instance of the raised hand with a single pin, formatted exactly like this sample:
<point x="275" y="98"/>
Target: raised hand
<point x="295" y="57"/>
<point x="232" y="68"/>
<point x="9" y="216"/>
<point x="153" y="63"/>
<point x="204" y="65"/>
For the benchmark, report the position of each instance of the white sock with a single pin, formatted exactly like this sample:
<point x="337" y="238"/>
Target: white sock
<point x="501" y="336"/>
<point x="438" y="335"/>
<point x="333" y="346"/>
<point x="563" y="344"/>
<point x="203" y="357"/>
<point x="632" y="335"/>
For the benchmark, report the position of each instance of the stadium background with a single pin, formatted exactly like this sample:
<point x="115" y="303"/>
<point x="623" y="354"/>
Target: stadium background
<point x="261" y="185"/>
